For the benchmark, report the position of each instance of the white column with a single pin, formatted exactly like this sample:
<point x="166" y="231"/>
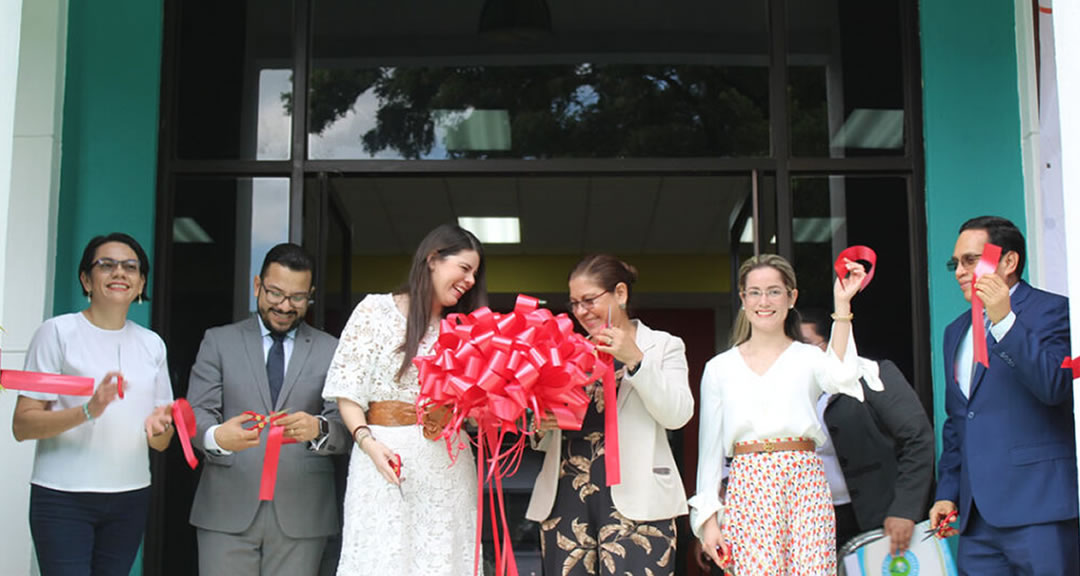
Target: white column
<point x="33" y="39"/>
<point x="1067" y="49"/>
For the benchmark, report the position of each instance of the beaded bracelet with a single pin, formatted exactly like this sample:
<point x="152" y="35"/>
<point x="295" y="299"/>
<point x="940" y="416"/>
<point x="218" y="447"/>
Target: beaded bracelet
<point x="86" y="411"/>
<point x="840" y="318"/>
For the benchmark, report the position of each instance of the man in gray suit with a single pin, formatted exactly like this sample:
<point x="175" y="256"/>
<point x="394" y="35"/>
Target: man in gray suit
<point x="272" y="362"/>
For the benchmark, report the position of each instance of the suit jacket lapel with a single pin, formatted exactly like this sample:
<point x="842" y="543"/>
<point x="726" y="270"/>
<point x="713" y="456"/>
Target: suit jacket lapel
<point x="253" y="343"/>
<point x="301" y="350"/>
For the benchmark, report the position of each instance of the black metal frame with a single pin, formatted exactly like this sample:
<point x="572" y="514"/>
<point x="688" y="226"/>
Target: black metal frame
<point x="779" y="164"/>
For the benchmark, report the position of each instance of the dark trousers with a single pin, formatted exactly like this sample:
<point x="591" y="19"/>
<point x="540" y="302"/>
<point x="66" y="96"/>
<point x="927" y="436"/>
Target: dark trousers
<point x="87" y="533"/>
<point x="1034" y="550"/>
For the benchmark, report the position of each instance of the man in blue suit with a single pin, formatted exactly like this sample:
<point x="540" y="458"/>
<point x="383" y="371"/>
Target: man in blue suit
<point x="1008" y="456"/>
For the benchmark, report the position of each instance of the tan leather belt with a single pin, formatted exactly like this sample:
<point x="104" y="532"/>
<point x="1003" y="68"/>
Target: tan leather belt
<point x="769" y="446"/>
<point x="394" y="413"/>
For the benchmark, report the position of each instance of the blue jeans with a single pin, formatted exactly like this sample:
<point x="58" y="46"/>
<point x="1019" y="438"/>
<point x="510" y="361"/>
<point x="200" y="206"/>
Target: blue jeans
<point x="87" y="533"/>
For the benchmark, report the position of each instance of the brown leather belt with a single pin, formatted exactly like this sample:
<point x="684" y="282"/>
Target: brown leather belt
<point x="394" y="413"/>
<point x="769" y="446"/>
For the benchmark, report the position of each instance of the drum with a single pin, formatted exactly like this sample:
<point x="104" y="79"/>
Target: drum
<point x="868" y="555"/>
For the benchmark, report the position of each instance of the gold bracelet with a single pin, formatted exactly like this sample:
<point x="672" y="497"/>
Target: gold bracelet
<point x="839" y="318"/>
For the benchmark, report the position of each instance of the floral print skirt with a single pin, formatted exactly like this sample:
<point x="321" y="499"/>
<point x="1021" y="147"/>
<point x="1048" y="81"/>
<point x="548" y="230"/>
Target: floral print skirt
<point x="585" y="534"/>
<point x="779" y="518"/>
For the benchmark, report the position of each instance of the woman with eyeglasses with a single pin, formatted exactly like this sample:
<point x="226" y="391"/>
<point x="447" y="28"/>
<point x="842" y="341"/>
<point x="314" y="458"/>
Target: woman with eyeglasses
<point x="90" y="486"/>
<point x="409" y="509"/>
<point x="586" y="526"/>
<point x="773" y="514"/>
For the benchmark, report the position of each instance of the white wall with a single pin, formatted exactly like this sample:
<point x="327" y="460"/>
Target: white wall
<point x="1066" y="16"/>
<point x="32" y="53"/>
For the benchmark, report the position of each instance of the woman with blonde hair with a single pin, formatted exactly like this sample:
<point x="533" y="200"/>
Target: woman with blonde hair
<point x="774" y="514"/>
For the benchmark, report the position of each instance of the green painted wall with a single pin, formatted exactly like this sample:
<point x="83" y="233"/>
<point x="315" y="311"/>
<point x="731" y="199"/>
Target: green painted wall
<point x="109" y="147"/>
<point x="972" y="135"/>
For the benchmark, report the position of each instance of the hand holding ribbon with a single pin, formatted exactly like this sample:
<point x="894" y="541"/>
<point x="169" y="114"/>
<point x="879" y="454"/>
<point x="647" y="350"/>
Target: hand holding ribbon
<point x="184" y="417"/>
<point x="988" y="263"/>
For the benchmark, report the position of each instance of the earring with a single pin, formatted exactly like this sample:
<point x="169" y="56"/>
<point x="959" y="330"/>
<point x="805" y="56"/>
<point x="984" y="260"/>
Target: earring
<point x="140" y="298"/>
<point x="87" y="297"/>
<point x="622" y="306"/>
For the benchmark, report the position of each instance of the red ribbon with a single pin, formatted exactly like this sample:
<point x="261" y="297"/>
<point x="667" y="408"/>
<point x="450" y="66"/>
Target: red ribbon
<point x="184" y="417"/>
<point x="46" y="383"/>
<point x="1073" y="364"/>
<point x="855" y="254"/>
<point x="988" y="262"/>
<point x="494" y="368"/>
<point x="274" y="441"/>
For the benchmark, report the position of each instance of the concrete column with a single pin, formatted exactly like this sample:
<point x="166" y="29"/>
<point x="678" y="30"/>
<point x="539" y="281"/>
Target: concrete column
<point x="31" y="104"/>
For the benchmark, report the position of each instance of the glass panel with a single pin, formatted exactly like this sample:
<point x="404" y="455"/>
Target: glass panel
<point x="845" y="74"/>
<point x="655" y="79"/>
<point x="234" y="79"/>
<point x="834" y="212"/>
<point x="218" y="231"/>
<point x="676" y="230"/>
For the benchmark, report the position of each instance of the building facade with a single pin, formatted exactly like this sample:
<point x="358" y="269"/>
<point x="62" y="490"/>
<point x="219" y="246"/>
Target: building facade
<point x="682" y="136"/>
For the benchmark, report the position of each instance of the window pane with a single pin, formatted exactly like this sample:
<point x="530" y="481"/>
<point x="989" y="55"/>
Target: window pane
<point x="845" y="74"/>
<point x="234" y="79"/>
<point x="656" y="79"/>
<point x="834" y="212"/>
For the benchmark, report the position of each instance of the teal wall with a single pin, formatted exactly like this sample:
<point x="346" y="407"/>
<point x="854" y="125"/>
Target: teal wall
<point x="971" y="124"/>
<point x="109" y="147"/>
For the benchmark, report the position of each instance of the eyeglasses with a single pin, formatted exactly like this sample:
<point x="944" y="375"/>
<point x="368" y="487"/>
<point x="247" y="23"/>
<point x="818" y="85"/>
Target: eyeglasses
<point x="107" y="265"/>
<point x="754" y="294"/>
<point x="277" y="296"/>
<point x="968" y="260"/>
<point x="586" y="303"/>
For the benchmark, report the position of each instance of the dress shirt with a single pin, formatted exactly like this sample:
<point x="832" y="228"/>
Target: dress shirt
<point x="965" y="357"/>
<point x="834" y="474"/>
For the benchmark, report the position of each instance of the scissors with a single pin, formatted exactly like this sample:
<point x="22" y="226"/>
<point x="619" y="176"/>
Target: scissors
<point x="395" y="465"/>
<point x="725" y="561"/>
<point x="942" y="527"/>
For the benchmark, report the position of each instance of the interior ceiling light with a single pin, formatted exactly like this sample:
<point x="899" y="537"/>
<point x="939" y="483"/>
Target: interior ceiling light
<point x="501" y="230"/>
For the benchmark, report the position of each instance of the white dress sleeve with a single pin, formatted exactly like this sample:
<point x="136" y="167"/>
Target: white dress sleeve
<point x="711" y="461"/>
<point x="836" y="376"/>
<point x="351" y="373"/>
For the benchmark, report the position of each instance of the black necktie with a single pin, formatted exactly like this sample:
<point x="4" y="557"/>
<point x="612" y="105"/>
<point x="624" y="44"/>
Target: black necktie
<point x="275" y="366"/>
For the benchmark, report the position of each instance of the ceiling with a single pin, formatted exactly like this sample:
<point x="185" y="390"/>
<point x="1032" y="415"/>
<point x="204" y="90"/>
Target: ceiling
<point x="558" y="215"/>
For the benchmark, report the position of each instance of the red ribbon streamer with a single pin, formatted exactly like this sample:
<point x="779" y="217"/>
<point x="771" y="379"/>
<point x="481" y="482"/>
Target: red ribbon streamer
<point x="120" y="387"/>
<point x="495" y="368"/>
<point x="184" y="417"/>
<point x="988" y="263"/>
<point x="856" y="253"/>
<point x="274" y="441"/>
<point x="46" y="383"/>
<point x="1073" y="364"/>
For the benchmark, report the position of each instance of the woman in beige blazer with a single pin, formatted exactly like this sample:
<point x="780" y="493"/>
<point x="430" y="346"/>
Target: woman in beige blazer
<point x="628" y="527"/>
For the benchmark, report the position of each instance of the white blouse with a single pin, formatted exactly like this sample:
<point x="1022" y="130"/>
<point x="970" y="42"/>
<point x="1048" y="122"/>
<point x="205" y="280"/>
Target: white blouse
<point x="739" y="405"/>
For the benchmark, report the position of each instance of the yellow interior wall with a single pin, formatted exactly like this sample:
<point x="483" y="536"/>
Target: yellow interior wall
<point x="669" y="273"/>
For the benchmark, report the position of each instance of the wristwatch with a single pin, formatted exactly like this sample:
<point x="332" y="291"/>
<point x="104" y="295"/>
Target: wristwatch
<point x="324" y="428"/>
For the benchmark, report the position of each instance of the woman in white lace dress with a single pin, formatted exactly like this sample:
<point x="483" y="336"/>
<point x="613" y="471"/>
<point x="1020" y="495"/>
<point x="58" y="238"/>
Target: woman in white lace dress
<point x="423" y="521"/>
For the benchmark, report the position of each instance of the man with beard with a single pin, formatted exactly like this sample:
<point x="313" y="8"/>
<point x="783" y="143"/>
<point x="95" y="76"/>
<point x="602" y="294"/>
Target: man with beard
<point x="271" y="363"/>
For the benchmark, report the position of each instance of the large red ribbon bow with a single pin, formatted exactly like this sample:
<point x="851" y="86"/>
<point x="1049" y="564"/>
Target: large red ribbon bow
<point x="495" y="368"/>
<point x="988" y="262"/>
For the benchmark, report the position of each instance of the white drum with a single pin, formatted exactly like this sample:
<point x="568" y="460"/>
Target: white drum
<point x="868" y="555"/>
